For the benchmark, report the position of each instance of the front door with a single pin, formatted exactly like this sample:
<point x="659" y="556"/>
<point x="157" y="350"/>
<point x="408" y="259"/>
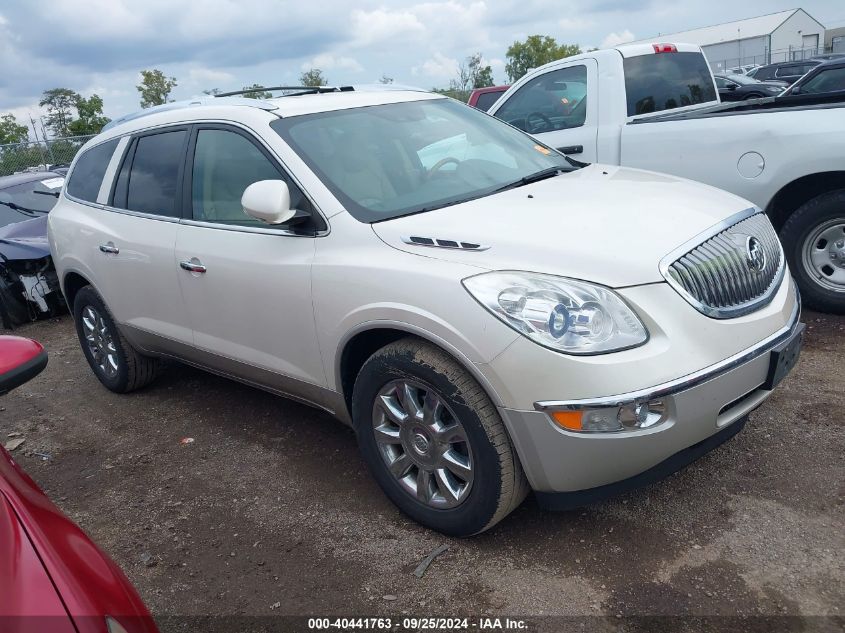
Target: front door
<point x="246" y="285"/>
<point x="559" y="107"/>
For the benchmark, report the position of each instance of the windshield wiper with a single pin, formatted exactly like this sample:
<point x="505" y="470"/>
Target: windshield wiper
<point x="543" y="174"/>
<point x="22" y="210"/>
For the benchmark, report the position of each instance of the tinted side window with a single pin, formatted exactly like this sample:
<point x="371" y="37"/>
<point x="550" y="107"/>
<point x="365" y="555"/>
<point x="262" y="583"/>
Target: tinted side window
<point x="486" y="99"/>
<point x="826" y="81"/>
<point x="764" y="73"/>
<point x="87" y="175"/>
<point x="153" y="185"/>
<point x="555" y="100"/>
<point x="663" y="81"/>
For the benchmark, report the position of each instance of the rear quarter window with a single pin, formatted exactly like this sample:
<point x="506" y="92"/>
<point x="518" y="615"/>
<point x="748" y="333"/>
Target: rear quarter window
<point x="487" y="99"/>
<point x="664" y="81"/>
<point x="87" y="175"/>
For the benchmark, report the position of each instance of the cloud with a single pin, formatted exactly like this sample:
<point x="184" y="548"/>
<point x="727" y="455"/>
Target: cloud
<point x="369" y="27"/>
<point x="439" y="66"/>
<point x="615" y="39"/>
<point x="575" y="24"/>
<point x="327" y="61"/>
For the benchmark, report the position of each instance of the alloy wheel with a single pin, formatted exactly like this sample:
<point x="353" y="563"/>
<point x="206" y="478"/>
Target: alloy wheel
<point x="100" y="341"/>
<point x="423" y="444"/>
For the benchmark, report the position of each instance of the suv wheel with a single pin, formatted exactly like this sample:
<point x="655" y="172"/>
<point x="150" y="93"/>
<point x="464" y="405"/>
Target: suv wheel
<point x="434" y="441"/>
<point x="814" y="241"/>
<point x="118" y="365"/>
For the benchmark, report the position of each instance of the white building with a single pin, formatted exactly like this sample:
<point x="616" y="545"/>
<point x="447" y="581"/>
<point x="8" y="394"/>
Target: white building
<point x="776" y="37"/>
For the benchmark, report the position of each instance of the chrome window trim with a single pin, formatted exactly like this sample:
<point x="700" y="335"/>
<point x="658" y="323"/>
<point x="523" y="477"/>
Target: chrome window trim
<point x="686" y="382"/>
<point x="111" y="170"/>
<point x="729" y="312"/>
<point x="252" y="229"/>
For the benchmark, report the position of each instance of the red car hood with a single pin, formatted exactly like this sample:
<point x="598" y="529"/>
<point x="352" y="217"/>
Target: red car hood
<point x="29" y="601"/>
<point x="43" y="551"/>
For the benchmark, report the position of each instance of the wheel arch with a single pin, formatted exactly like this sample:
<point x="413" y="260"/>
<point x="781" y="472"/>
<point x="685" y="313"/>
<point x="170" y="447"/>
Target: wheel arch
<point x="801" y="190"/>
<point x="72" y="283"/>
<point x="368" y="338"/>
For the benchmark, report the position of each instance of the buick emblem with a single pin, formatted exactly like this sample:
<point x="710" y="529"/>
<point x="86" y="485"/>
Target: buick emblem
<point x="755" y="256"/>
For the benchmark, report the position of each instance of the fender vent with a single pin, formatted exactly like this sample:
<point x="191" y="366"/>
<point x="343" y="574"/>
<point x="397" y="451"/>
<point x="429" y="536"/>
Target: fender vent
<point x="441" y="243"/>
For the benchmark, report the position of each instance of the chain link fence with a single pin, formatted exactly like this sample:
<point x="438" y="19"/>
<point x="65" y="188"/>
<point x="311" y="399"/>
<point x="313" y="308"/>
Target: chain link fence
<point x="17" y="158"/>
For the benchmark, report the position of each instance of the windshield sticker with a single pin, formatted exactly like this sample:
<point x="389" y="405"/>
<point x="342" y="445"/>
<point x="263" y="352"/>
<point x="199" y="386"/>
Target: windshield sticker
<point x="53" y="183"/>
<point x="542" y="150"/>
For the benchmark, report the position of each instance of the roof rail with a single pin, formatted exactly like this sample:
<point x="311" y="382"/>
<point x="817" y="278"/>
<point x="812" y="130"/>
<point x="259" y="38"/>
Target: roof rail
<point x="294" y="90"/>
<point x="189" y="103"/>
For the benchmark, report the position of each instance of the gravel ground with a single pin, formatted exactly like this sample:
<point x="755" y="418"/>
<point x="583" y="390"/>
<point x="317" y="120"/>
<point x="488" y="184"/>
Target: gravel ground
<point x="270" y="510"/>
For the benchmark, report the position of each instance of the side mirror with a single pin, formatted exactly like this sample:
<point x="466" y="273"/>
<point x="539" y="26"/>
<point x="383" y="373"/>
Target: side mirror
<point x="268" y="201"/>
<point x="731" y="86"/>
<point x="796" y="90"/>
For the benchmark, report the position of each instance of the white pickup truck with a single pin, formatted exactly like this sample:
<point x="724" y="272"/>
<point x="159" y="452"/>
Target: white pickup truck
<point x="656" y="107"/>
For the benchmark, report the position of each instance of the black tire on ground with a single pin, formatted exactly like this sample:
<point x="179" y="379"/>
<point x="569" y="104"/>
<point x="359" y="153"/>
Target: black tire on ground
<point x="499" y="483"/>
<point x="809" y="216"/>
<point x="134" y="370"/>
<point x="753" y="95"/>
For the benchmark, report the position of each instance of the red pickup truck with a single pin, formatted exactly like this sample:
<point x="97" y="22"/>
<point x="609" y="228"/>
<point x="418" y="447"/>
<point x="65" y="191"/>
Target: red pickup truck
<point x="483" y="98"/>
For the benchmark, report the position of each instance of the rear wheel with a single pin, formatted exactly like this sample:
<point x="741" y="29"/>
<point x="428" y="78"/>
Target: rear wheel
<point x="118" y="365"/>
<point x="433" y="440"/>
<point x="814" y="240"/>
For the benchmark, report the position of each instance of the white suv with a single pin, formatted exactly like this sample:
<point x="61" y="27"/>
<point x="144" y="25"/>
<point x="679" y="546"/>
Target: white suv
<point x="489" y="315"/>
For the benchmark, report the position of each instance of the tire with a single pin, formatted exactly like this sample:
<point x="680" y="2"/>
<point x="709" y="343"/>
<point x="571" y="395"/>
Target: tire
<point x="818" y="222"/>
<point x="123" y="369"/>
<point x="753" y="95"/>
<point x="497" y="484"/>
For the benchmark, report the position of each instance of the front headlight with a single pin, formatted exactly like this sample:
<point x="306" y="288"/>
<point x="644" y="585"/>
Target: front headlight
<point x="569" y="316"/>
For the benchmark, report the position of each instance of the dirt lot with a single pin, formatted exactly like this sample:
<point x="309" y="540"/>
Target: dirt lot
<point x="270" y="511"/>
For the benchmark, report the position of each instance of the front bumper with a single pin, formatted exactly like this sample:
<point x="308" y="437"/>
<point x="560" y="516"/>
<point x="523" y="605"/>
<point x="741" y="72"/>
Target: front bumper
<point x="701" y="407"/>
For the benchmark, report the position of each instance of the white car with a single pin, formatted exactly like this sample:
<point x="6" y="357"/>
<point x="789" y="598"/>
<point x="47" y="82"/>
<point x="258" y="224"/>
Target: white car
<point x="489" y="317"/>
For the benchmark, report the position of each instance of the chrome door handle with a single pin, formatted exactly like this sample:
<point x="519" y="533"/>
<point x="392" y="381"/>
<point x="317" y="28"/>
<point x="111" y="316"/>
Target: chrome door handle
<point x="192" y="267"/>
<point x="109" y="248"/>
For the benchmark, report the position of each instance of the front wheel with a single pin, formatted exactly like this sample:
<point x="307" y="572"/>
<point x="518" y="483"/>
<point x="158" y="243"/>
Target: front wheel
<point x="814" y="241"/>
<point x="434" y="441"/>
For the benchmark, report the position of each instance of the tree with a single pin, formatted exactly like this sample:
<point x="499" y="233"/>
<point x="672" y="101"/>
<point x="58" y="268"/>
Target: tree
<point x="535" y="51"/>
<point x="11" y="131"/>
<point x="60" y="103"/>
<point x="479" y="76"/>
<point x="91" y="119"/>
<point x="313" y="78"/>
<point x="385" y="80"/>
<point x="256" y="91"/>
<point x="213" y="92"/>
<point x="155" y="87"/>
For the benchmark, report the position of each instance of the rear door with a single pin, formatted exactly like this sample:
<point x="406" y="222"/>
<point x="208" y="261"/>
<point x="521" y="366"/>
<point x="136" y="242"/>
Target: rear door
<point x="559" y="107"/>
<point x="136" y="235"/>
<point x="246" y="284"/>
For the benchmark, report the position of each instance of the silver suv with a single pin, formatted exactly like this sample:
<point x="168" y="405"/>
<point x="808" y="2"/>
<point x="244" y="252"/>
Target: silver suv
<point x="490" y="316"/>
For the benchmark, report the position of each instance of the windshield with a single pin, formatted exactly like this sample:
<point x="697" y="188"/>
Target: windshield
<point x="21" y="202"/>
<point x="390" y="160"/>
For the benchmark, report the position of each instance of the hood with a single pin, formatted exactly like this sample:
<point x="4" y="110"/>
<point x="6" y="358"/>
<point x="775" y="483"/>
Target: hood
<point x="609" y="225"/>
<point x="25" y="240"/>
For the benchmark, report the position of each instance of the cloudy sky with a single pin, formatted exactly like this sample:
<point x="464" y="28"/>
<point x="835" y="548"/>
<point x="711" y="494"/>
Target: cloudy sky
<point x="98" y="46"/>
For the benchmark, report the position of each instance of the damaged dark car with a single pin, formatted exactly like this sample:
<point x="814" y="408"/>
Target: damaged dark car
<point x="29" y="288"/>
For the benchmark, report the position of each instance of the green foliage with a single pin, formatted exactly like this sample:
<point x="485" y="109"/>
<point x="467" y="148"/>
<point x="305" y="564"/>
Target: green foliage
<point x="385" y="80"/>
<point x="60" y="103"/>
<point x="212" y="92"/>
<point x="480" y="76"/>
<point x="256" y="91"/>
<point x="11" y="131"/>
<point x="460" y="95"/>
<point x="535" y="51"/>
<point x="155" y="87"/>
<point x="91" y="119"/>
<point x="313" y="78"/>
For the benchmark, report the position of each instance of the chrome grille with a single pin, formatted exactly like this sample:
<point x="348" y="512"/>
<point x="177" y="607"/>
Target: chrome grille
<point x="733" y="271"/>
